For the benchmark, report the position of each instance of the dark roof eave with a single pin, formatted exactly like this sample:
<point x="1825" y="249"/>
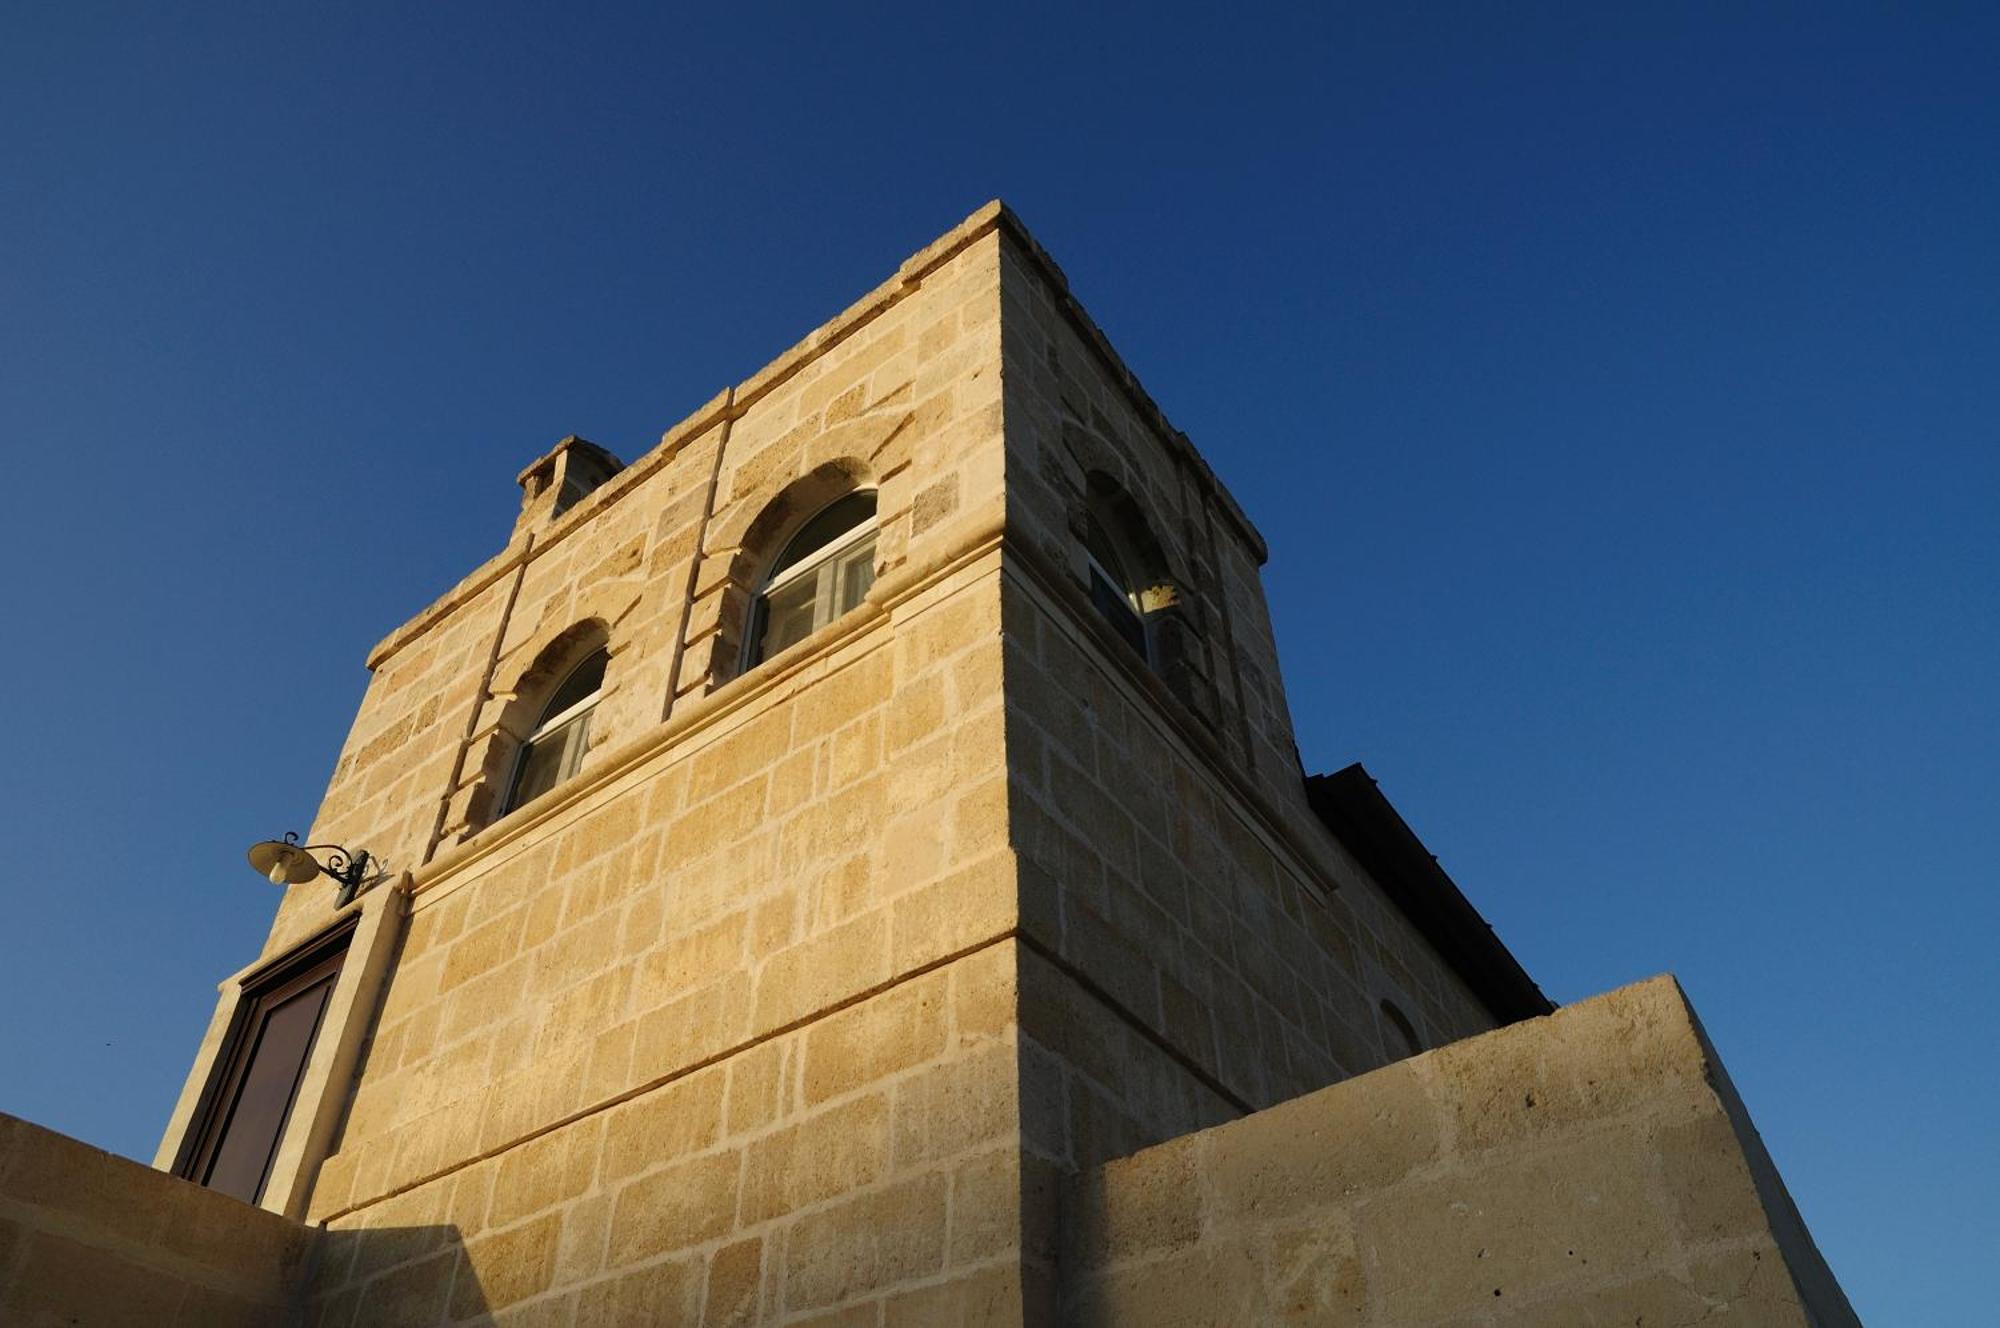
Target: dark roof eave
<point x="1350" y="805"/>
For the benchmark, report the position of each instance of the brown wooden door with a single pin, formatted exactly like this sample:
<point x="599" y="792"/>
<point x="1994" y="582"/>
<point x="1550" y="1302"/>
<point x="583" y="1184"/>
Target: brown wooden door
<point x="257" y="1080"/>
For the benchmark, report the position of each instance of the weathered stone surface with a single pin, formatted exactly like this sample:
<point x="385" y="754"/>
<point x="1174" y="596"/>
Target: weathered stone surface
<point x="874" y="1240"/>
<point x="90" y="1238"/>
<point x="1439" y="1191"/>
<point x="810" y="993"/>
<point x="682" y="1206"/>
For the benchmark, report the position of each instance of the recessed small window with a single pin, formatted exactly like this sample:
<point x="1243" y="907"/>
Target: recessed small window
<point x="1112" y="587"/>
<point x="1399" y="1037"/>
<point x="823" y="572"/>
<point x="552" y="753"/>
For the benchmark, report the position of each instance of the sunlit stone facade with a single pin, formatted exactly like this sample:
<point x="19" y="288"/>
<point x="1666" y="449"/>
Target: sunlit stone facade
<point x="817" y="984"/>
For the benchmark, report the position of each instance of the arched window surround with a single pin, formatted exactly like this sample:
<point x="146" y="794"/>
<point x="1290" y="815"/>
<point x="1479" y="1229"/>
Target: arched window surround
<point x="552" y="752"/>
<point x="1125" y="572"/>
<point x="822" y="571"/>
<point x="1400" y="1038"/>
<point x="752" y="539"/>
<point x="521" y="710"/>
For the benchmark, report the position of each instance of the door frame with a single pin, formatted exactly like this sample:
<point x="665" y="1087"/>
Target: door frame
<point x="369" y="927"/>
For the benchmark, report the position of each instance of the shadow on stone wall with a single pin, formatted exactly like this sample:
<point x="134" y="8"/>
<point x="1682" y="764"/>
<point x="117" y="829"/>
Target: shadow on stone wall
<point x="1590" y="1166"/>
<point x="92" y="1240"/>
<point x="89" y="1239"/>
<point x="393" y="1277"/>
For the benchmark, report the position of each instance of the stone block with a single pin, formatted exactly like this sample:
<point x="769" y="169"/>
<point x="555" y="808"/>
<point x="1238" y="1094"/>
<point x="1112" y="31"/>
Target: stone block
<point x="891" y="1031"/>
<point x="1707" y="1183"/>
<point x="674" y="1209"/>
<point x="985" y="1208"/>
<point x="984" y="1003"/>
<point x="1323" y="1149"/>
<point x="663" y="1125"/>
<point x="586" y="1226"/>
<point x="757" y="1079"/>
<point x="720" y="820"/>
<point x="916" y="712"/>
<point x="865" y="1315"/>
<point x="668" y="1292"/>
<point x="735" y="1272"/>
<point x="469" y="1201"/>
<point x="530" y="1178"/>
<point x="957" y="1106"/>
<point x="1217" y="1286"/>
<point x="857" y="751"/>
<point x="59" y="1281"/>
<point x="988" y="1297"/>
<point x="1546" y="1075"/>
<point x="826" y="1154"/>
<point x="748" y="751"/>
<point x="1443" y="1246"/>
<point x="415" y="1295"/>
<point x="690" y="1030"/>
<point x="1141" y="1207"/>
<point x="822" y="970"/>
<point x="603" y="831"/>
<point x="865" y="1244"/>
<point x="690" y="958"/>
<point x="483" y="949"/>
<point x="1313" y="1274"/>
<point x="1753" y="1282"/>
<point x="212" y="1307"/>
<point x="973" y="904"/>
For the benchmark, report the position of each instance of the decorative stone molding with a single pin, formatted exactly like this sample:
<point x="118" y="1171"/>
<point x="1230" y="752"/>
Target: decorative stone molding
<point x="751" y="536"/>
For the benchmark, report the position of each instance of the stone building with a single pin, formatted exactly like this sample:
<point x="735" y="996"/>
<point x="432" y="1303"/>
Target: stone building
<point x="851" y="866"/>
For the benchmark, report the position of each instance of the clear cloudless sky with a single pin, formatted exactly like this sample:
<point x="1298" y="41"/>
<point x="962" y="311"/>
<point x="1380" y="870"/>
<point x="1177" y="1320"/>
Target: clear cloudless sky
<point x="1615" y="386"/>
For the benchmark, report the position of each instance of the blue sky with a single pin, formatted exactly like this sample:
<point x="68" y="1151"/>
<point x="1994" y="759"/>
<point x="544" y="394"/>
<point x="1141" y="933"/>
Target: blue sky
<point x="1615" y="390"/>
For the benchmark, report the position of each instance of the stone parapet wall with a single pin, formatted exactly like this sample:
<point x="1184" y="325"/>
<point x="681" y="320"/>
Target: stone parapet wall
<point x="1594" y="1166"/>
<point x="90" y="1240"/>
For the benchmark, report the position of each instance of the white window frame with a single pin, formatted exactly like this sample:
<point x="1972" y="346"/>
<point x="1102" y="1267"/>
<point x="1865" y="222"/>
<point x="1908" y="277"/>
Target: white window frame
<point x="844" y="543"/>
<point x="1093" y="564"/>
<point x="543" y="731"/>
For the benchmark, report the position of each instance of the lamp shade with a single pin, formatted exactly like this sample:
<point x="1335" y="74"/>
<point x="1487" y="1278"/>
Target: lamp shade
<point x="282" y="863"/>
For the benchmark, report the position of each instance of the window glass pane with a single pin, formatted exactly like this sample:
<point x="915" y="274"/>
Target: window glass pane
<point x="284" y="1038"/>
<point x="576" y="741"/>
<point x="1117" y="610"/>
<point x="788" y="615"/>
<point x="829" y="525"/>
<point x="583" y="680"/>
<point x="856" y="573"/>
<point x="547" y="761"/>
<point x="1098" y="543"/>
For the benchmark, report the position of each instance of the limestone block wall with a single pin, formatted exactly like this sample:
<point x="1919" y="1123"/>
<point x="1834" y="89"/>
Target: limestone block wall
<point x="90" y="1240"/>
<point x="1592" y="1166"/>
<point x="800" y="997"/>
<point x="1172" y="874"/>
<point x="900" y="392"/>
<point x="722" y="1030"/>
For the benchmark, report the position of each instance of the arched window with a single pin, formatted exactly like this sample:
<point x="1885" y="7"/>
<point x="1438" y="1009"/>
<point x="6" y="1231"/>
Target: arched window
<point x="823" y="572"/>
<point x="554" y="750"/>
<point x="1114" y="588"/>
<point x="1399" y="1037"/>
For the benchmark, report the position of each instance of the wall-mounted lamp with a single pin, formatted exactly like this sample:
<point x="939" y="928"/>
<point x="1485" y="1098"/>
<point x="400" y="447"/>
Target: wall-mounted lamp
<point x="287" y="862"/>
